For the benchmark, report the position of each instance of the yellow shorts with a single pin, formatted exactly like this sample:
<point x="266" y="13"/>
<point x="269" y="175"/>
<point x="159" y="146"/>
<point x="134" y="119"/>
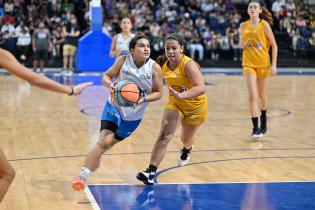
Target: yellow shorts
<point x="195" y="117"/>
<point x="69" y="50"/>
<point x="259" y="72"/>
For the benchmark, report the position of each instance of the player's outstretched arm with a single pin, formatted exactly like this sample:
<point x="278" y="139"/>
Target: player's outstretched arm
<point x="9" y="63"/>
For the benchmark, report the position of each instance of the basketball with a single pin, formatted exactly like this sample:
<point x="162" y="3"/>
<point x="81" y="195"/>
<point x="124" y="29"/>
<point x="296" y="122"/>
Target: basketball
<point x="126" y="93"/>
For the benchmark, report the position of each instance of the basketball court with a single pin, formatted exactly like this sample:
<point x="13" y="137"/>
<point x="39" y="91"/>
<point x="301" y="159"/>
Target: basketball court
<point x="46" y="137"/>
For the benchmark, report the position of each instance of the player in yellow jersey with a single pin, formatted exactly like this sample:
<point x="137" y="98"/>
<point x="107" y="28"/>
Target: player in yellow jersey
<point x="257" y="37"/>
<point x="187" y="103"/>
<point x="9" y="63"/>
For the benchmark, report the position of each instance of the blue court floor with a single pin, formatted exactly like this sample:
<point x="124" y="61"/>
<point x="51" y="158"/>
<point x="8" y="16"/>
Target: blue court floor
<point x="217" y="196"/>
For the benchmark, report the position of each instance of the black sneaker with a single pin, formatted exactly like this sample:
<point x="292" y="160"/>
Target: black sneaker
<point x="257" y="134"/>
<point x="263" y="125"/>
<point x="147" y="177"/>
<point x="184" y="156"/>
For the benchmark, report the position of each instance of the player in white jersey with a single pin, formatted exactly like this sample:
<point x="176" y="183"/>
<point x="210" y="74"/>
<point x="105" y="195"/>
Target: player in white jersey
<point x="117" y="123"/>
<point x="120" y="42"/>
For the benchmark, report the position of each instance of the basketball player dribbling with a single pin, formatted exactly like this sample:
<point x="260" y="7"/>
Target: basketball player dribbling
<point x="257" y="37"/>
<point x="117" y="123"/>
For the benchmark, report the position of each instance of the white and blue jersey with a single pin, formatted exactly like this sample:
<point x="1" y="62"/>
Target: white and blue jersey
<point x="128" y="118"/>
<point x="123" y="43"/>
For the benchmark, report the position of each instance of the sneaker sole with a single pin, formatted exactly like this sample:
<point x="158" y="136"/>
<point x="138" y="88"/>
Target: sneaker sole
<point x="143" y="179"/>
<point x="255" y="137"/>
<point x="182" y="162"/>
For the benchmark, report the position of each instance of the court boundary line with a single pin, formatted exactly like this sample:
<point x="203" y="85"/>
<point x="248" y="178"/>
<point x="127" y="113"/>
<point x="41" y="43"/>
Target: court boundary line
<point x="285" y="112"/>
<point x="90" y="196"/>
<point x="224" y="160"/>
<point x="172" y="151"/>
<point x="198" y="183"/>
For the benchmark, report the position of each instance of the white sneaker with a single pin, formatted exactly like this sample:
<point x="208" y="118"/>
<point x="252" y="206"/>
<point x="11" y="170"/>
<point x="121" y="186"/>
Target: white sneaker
<point x="184" y="156"/>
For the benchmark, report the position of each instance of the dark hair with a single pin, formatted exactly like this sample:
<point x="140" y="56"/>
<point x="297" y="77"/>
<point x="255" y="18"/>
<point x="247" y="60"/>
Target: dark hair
<point x="178" y="37"/>
<point x="174" y="36"/>
<point x="134" y="40"/>
<point x="161" y="59"/>
<point x="265" y="14"/>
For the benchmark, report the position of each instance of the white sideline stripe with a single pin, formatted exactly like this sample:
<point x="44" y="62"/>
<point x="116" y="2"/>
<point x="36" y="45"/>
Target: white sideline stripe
<point x="250" y="182"/>
<point x="94" y="204"/>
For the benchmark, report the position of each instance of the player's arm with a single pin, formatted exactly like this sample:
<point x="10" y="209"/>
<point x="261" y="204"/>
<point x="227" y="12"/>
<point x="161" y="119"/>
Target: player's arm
<point x="193" y="73"/>
<point x="157" y="87"/>
<point x="242" y="44"/>
<point x="8" y="62"/>
<point x="113" y="72"/>
<point x="112" y="52"/>
<point x="274" y="47"/>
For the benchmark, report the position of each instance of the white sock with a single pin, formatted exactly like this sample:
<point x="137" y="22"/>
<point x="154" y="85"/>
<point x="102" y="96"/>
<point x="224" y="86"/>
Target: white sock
<point x="84" y="173"/>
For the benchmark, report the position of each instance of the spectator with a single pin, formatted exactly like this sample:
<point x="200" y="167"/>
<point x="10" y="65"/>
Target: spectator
<point x="71" y="33"/>
<point x="23" y="43"/>
<point x="196" y="45"/>
<point x="58" y="41"/>
<point x="276" y="7"/>
<point x="9" y="7"/>
<point x="8" y="34"/>
<point x="236" y="46"/>
<point x="41" y="42"/>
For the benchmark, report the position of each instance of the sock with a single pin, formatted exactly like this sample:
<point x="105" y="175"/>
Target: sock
<point x="255" y="122"/>
<point x="263" y="114"/>
<point x="84" y="173"/>
<point x="152" y="168"/>
<point x="263" y="118"/>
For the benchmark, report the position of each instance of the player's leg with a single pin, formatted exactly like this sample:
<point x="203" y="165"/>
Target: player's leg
<point x="187" y="137"/>
<point x="168" y="128"/>
<point x="262" y="93"/>
<point x="7" y="174"/>
<point x="251" y="82"/>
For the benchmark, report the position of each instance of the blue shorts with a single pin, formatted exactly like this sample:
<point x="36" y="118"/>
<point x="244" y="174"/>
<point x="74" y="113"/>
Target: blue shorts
<point x="111" y="120"/>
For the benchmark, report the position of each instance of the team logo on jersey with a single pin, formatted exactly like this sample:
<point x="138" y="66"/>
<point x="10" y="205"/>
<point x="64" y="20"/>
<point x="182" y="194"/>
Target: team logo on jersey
<point x="251" y="43"/>
<point x="179" y="88"/>
<point x="140" y="76"/>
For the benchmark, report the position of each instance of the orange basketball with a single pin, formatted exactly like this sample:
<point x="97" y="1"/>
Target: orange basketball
<point x="126" y="93"/>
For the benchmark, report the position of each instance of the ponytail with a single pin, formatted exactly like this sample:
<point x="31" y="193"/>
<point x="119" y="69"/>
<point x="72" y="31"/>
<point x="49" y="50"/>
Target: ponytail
<point x="161" y="59"/>
<point x="266" y="15"/>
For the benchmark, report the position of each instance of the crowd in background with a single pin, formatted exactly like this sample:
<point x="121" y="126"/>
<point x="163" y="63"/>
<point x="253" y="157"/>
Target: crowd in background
<point x="297" y="20"/>
<point x="210" y="27"/>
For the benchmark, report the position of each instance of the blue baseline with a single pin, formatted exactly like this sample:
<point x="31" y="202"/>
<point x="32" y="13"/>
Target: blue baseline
<point x="217" y="196"/>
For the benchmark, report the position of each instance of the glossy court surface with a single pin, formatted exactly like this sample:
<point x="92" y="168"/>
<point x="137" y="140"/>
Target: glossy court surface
<point x="46" y="137"/>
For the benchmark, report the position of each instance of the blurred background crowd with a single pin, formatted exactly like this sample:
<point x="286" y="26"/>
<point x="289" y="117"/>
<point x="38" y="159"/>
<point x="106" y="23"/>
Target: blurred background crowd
<point x="38" y="29"/>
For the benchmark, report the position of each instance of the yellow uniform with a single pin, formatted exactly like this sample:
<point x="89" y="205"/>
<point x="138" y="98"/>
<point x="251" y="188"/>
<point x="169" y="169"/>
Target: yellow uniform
<point x="194" y="110"/>
<point x="256" y="55"/>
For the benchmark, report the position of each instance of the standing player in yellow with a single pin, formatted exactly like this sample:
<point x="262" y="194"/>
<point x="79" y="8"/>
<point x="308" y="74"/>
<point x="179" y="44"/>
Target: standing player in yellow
<point x="187" y="102"/>
<point x="257" y="37"/>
